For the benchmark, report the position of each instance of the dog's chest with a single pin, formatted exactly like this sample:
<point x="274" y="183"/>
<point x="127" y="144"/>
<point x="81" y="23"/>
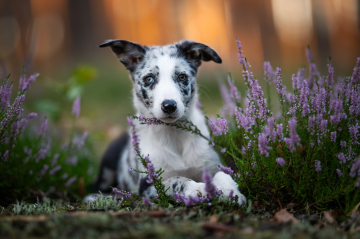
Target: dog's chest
<point x="169" y="148"/>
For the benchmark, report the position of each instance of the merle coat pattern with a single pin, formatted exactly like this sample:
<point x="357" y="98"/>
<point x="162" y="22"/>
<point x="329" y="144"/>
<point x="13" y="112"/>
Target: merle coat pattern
<point x="164" y="80"/>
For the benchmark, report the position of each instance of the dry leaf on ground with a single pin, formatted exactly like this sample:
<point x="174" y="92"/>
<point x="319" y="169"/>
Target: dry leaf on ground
<point x="283" y="216"/>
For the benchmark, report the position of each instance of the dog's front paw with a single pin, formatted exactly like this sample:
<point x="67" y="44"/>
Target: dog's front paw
<point x="195" y="189"/>
<point x="226" y="184"/>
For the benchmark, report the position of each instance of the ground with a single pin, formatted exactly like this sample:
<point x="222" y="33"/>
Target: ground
<point x="139" y="221"/>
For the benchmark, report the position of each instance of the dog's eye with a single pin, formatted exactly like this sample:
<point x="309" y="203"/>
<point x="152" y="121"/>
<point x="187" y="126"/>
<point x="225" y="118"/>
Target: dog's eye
<point x="182" y="77"/>
<point x="149" y="80"/>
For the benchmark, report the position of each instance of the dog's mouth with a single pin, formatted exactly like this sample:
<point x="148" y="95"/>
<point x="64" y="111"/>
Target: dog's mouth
<point x="169" y="119"/>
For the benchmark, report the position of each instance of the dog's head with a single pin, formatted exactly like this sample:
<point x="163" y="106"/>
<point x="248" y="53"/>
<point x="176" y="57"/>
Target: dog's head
<point x="164" y="76"/>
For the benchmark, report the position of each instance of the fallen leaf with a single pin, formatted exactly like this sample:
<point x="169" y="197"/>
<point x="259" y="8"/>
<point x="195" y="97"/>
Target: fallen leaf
<point x="328" y="217"/>
<point x="354" y="209"/>
<point x="213" y="219"/>
<point x="283" y="216"/>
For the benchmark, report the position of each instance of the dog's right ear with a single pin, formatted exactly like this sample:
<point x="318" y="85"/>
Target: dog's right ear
<point x="129" y="53"/>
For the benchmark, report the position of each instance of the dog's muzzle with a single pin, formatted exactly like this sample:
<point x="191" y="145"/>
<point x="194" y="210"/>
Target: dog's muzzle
<point x="168" y="106"/>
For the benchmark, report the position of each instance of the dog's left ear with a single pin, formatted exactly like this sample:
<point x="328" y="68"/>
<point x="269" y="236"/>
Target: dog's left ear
<point x="195" y="51"/>
<point x="129" y="53"/>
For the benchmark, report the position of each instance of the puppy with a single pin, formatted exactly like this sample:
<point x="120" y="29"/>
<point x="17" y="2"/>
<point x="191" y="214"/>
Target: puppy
<point x="164" y="80"/>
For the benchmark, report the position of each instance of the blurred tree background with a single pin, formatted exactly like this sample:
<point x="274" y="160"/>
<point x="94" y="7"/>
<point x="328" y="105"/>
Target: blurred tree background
<point x="59" y="39"/>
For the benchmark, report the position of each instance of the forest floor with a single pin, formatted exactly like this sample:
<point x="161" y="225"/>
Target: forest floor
<point x="72" y="221"/>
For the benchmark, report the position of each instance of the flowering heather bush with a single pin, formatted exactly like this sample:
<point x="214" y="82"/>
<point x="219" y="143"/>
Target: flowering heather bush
<point x="30" y="164"/>
<point x="310" y="154"/>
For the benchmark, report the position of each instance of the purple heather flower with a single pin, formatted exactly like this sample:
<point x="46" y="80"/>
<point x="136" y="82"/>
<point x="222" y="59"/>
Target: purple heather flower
<point x="65" y="176"/>
<point x="5" y="93"/>
<point x="44" y="170"/>
<point x="343" y="144"/>
<point x="135" y="140"/>
<point x="339" y="173"/>
<point x="190" y="201"/>
<point x="41" y="155"/>
<point x="199" y="104"/>
<point x="300" y="77"/>
<point x="179" y="197"/>
<point x="311" y="125"/>
<point x="281" y="162"/>
<point x="209" y="186"/>
<point x="355" y="168"/>
<point x="223" y="150"/>
<point x="341" y="157"/>
<point x="43" y="127"/>
<point x="214" y="127"/>
<point x="268" y="72"/>
<point x="293" y="136"/>
<point x="303" y="102"/>
<point x="6" y="156"/>
<point x="263" y="147"/>
<point x="234" y="93"/>
<point x="243" y="120"/>
<point x="72" y="160"/>
<point x="122" y="193"/>
<point x="354" y="132"/>
<point x="317" y="166"/>
<point x="226" y="170"/>
<point x="229" y="105"/>
<point x="152" y="175"/>
<point x="279" y="86"/>
<point x="223" y="125"/>
<point x="333" y="136"/>
<point x="337" y="106"/>
<point x="356" y="73"/>
<point x="54" y="159"/>
<point x="70" y="181"/>
<point x="231" y="195"/>
<point x="330" y="78"/>
<point x="357" y="184"/>
<point x="254" y="165"/>
<point x="241" y="57"/>
<point x="130" y="120"/>
<point x="131" y="170"/>
<point x="76" y="107"/>
<point x="280" y="131"/>
<point x="25" y="84"/>
<point x="243" y="150"/>
<point x="212" y="144"/>
<point x="271" y="129"/>
<point x="32" y="115"/>
<point x="54" y="170"/>
<point x="147" y="202"/>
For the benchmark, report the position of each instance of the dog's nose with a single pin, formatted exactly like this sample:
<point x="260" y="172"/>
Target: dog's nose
<point x="168" y="106"/>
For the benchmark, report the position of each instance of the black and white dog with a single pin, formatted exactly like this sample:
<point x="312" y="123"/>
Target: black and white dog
<point x="164" y="80"/>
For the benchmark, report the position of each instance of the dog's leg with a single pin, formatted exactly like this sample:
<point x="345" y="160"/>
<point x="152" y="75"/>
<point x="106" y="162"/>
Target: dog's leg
<point x="173" y="185"/>
<point x="189" y="187"/>
<point x="226" y="184"/>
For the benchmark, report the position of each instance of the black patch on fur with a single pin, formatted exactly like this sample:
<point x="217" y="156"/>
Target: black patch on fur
<point x="185" y="92"/>
<point x="174" y="186"/>
<point x="145" y="96"/>
<point x="129" y="53"/>
<point x="111" y="159"/>
<point x="182" y="187"/>
<point x="143" y="185"/>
